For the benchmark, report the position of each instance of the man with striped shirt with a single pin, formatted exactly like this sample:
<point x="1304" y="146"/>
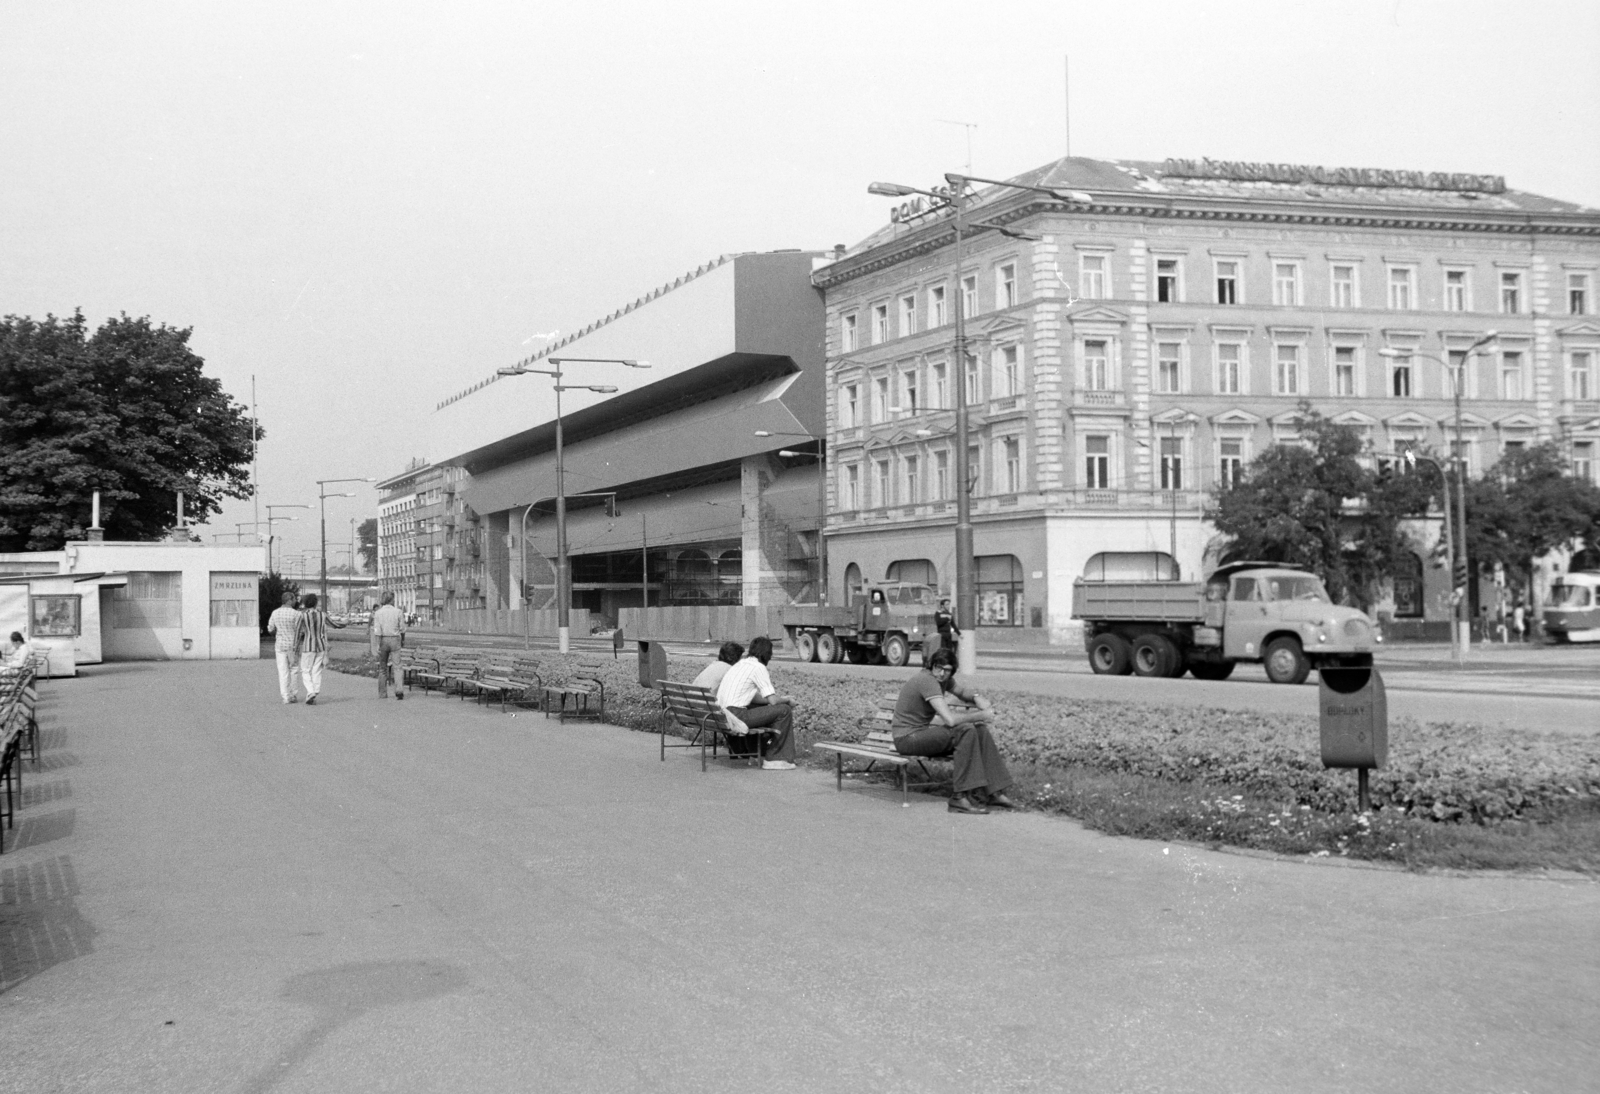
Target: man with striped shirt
<point x="284" y="622"/>
<point x="313" y="641"/>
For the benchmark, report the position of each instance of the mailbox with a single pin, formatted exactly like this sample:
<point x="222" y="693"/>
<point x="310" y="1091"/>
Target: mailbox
<point x="652" y="662"/>
<point x="1354" y="718"/>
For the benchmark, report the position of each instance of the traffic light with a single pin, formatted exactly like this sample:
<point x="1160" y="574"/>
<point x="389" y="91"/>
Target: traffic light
<point x="611" y="506"/>
<point x="1460" y="573"/>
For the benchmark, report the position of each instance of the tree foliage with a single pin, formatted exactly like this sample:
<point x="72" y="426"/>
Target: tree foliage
<point x="271" y="589"/>
<point x="1318" y="506"/>
<point x="1526" y="506"/>
<point x="126" y="410"/>
<point x="367" y="535"/>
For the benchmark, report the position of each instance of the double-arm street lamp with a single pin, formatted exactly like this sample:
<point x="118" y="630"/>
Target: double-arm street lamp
<point x="956" y="199"/>
<point x="563" y="568"/>
<point x="270" y="520"/>
<point x="1459" y="575"/>
<point x="322" y="500"/>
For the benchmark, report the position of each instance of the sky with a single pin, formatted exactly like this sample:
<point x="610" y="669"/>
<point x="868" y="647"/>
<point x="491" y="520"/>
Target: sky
<point x="364" y="207"/>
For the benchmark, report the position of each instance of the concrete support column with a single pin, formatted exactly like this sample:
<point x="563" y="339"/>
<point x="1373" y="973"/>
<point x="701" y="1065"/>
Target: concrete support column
<point x="763" y="539"/>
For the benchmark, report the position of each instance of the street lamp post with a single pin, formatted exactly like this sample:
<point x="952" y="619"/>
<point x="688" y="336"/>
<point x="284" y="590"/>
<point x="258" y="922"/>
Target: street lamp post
<point x="270" y="520"/>
<point x="563" y="569"/>
<point x="956" y="198"/>
<point x="821" y="457"/>
<point x="322" y="500"/>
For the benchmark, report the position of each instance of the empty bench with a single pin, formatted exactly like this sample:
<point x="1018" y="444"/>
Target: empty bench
<point x="510" y="680"/>
<point x="581" y="695"/>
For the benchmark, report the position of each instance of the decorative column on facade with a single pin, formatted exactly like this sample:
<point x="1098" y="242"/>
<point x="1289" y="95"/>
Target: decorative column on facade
<point x="761" y="540"/>
<point x="1048" y="364"/>
<point x="1545" y="359"/>
<point x="1137" y="380"/>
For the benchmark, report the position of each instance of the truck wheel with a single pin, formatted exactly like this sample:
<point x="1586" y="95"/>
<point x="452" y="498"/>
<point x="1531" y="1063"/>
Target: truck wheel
<point x="1154" y="655"/>
<point x="1211" y="670"/>
<point x="1286" y="662"/>
<point x="897" y="651"/>
<point x="829" y="649"/>
<point x="806" y="646"/>
<point x="1108" y="655"/>
<point x="858" y="655"/>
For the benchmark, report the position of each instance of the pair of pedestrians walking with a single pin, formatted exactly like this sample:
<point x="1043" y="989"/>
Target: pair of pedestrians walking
<point x="301" y="646"/>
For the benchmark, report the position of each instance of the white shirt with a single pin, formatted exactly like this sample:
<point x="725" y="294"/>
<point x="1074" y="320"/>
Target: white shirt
<point x="741" y="685"/>
<point x="711" y="676"/>
<point x="20" y="656"/>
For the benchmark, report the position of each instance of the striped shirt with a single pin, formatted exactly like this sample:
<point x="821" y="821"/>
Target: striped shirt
<point x="313" y="631"/>
<point x="285" y="623"/>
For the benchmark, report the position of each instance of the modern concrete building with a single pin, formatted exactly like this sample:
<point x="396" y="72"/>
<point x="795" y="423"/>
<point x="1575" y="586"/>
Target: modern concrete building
<point x="671" y="493"/>
<point x="1135" y="353"/>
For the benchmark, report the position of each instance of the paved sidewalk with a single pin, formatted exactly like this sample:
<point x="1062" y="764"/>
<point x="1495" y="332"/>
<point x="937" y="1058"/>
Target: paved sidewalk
<point x="209" y="891"/>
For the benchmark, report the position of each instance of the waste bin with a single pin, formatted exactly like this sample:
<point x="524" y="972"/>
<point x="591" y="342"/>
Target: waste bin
<point x="1354" y="718"/>
<point x="652" y="662"/>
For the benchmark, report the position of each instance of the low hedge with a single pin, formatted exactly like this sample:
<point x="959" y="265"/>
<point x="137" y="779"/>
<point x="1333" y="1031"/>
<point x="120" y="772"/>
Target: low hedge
<point x="1445" y="771"/>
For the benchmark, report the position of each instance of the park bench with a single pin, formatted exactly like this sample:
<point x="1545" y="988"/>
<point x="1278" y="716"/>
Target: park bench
<point x="510" y="679"/>
<point x="409" y="662"/>
<point x="13" y="725"/>
<point x="22" y="685"/>
<point x="877" y="747"/>
<point x="453" y="668"/>
<point x="584" y="690"/>
<point x="694" y="711"/>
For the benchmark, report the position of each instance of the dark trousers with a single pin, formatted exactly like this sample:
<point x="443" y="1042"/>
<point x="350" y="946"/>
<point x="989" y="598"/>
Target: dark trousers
<point x="778" y="721"/>
<point x="388" y="647"/>
<point x="977" y="760"/>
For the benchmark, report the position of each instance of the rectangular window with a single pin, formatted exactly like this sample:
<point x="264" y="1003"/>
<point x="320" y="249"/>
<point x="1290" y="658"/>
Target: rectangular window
<point x="908" y="391"/>
<point x="1169" y="362"/>
<point x="852" y="487"/>
<point x="1230" y="368"/>
<point x="1167" y="280"/>
<point x="1009" y="378"/>
<point x="908" y="316"/>
<point x="936" y="307"/>
<point x="1092" y="277"/>
<point x="1511" y="291"/>
<point x="1286" y="375"/>
<point x="1578" y="293"/>
<point x="1456" y="367"/>
<point x="974" y="468"/>
<point x="1511" y="375"/>
<point x="885" y="484"/>
<point x="1286" y="284"/>
<point x="941" y="476"/>
<point x="880" y="399"/>
<point x="1097" y="462"/>
<point x="1227" y="282"/>
<point x="1011" y="456"/>
<point x="1171" y="463"/>
<point x="969" y="294"/>
<point x="1005" y="286"/>
<point x="913" y="485"/>
<point x="847" y="334"/>
<point x="1455" y="290"/>
<point x="1096" y="366"/>
<point x="974" y="389"/>
<point x="999" y="581"/>
<point x="941" y="386"/>
<point x="1400" y="377"/>
<point x="1402" y="288"/>
<point x="1343" y="281"/>
<point x="880" y="323"/>
<point x="1230" y="462"/>
<point x="1580" y="383"/>
<point x="1344" y="370"/>
<point x="850" y="407"/>
<point x="1583" y="461"/>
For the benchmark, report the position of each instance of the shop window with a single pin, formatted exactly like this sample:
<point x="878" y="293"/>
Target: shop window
<point x="61" y="616"/>
<point x="999" y="591"/>
<point x="1408" y="589"/>
<point x="919" y="571"/>
<point x="151" y="598"/>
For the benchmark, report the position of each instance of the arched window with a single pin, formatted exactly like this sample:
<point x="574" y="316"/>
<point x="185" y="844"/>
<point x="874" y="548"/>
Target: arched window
<point x="999" y="591"/>
<point x="730" y="566"/>
<point x="1408" y="588"/>
<point x="1130" y="566"/>
<point x="852" y="583"/>
<point x="918" y="570"/>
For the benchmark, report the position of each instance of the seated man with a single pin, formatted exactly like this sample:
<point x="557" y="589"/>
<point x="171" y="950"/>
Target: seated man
<point x="749" y="700"/>
<point x="711" y="676"/>
<point x="18" y="652"/>
<point x="924" y="725"/>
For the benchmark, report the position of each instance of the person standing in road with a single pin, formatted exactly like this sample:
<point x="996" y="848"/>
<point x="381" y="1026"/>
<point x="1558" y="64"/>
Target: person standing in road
<point x="284" y="622"/>
<point x="944" y="620"/>
<point x="388" y="637"/>
<point x="312" y="633"/>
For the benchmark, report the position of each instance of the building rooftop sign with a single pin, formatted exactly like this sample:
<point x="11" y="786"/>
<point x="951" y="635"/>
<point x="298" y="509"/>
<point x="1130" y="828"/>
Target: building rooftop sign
<point x="1300" y="173"/>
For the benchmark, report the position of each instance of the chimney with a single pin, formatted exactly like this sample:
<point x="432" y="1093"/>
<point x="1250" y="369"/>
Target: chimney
<point x="96" y="534"/>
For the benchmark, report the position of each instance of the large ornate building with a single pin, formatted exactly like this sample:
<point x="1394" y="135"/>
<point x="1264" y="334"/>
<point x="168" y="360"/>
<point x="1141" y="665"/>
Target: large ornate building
<point x="1125" y="357"/>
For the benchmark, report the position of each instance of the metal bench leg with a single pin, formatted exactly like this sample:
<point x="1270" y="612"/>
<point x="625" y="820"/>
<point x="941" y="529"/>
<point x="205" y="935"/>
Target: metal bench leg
<point x="905" y="789"/>
<point x="839" y="770"/>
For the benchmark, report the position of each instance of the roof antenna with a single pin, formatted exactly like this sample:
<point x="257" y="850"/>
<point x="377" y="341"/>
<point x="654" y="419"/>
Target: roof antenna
<point x="969" y="126"/>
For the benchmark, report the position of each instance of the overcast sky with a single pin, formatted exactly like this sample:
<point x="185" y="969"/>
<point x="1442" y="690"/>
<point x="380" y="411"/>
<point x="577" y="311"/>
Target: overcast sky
<point x="367" y="206"/>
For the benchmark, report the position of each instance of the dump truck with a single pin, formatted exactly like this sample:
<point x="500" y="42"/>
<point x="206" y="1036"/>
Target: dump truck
<point x="886" y="625"/>
<point x="1280" y="616"/>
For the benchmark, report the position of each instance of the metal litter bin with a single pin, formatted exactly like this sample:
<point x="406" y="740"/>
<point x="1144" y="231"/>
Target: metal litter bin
<point x="1354" y="722"/>
<point x="652" y="662"/>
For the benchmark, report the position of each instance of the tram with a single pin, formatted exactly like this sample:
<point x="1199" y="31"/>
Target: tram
<point x="1573" y="614"/>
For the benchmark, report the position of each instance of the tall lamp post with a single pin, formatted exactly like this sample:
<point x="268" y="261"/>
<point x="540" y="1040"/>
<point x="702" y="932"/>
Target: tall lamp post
<point x="563" y="570"/>
<point x="821" y="456"/>
<point x="322" y="500"/>
<point x="955" y="197"/>
<point x="1459" y="575"/>
<point x="270" y="519"/>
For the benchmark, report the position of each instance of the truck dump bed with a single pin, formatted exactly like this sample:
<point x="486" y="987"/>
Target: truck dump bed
<point x="1152" y="601"/>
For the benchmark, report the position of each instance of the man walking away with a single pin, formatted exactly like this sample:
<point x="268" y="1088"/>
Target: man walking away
<point x="284" y="622"/>
<point x="313" y="635"/>
<point x="389" y="635"/>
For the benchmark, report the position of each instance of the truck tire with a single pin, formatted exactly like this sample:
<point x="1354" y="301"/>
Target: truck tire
<point x="897" y="651"/>
<point x="1211" y="670"/>
<point x="829" y="649"/>
<point x="858" y="655"/>
<point x="1154" y="655"/>
<point x="1109" y="655"/>
<point x="806" y="646"/>
<point x="1285" y="661"/>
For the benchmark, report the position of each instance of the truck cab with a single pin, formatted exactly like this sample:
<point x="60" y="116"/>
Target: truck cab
<point x="1284" y="618"/>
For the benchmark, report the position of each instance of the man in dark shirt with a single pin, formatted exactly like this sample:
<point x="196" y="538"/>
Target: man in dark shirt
<point x="924" y="725"/>
<point x="944" y="620"/>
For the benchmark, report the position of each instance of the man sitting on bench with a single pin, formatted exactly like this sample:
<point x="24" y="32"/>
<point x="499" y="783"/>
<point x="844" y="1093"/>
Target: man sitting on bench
<point x="924" y="725"/>
<point x="747" y="697"/>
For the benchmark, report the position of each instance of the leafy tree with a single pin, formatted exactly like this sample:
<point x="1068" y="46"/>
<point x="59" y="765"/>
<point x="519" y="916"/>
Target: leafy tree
<point x="272" y="587"/>
<point x="126" y="411"/>
<point x="1526" y="506"/>
<point x="1317" y="506"/>
<point x="367" y="535"/>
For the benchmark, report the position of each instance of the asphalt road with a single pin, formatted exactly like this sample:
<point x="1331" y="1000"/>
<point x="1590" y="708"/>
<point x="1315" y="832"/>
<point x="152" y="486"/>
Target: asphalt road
<point x="209" y="891"/>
